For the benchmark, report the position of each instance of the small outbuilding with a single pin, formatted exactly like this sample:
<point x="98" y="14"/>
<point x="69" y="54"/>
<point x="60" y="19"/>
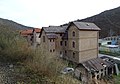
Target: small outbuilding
<point x="94" y="69"/>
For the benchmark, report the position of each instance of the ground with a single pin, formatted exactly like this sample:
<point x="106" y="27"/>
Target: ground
<point x="6" y="74"/>
<point x="9" y="74"/>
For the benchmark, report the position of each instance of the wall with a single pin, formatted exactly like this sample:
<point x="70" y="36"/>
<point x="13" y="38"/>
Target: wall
<point x="37" y="38"/>
<point x="44" y="45"/>
<point x="86" y="44"/>
<point x="72" y="39"/>
<point x="58" y="47"/>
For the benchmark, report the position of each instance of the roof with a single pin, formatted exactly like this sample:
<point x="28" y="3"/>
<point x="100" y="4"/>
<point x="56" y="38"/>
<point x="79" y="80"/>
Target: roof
<point x="26" y="32"/>
<point x="50" y="36"/>
<point x="55" y="29"/>
<point x="96" y="64"/>
<point x="85" y="26"/>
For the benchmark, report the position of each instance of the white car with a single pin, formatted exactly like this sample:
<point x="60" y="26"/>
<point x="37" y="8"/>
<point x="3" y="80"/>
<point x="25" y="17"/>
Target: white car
<point x="67" y="70"/>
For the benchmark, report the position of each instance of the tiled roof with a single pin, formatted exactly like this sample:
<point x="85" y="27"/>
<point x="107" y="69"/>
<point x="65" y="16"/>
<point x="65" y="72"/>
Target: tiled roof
<point x="26" y="32"/>
<point x="96" y="64"/>
<point x="55" y="29"/>
<point x="86" y="26"/>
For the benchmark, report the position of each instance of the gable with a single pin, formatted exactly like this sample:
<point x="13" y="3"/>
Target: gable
<point x="84" y="26"/>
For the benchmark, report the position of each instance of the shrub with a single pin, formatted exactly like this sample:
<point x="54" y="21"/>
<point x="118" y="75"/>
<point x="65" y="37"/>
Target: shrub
<point x="13" y="48"/>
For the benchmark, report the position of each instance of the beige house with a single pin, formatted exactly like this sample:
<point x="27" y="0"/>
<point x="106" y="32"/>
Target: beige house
<point x="82" y="41"/>
<point x="76" y="42"/>
<point x="51" y="39"/>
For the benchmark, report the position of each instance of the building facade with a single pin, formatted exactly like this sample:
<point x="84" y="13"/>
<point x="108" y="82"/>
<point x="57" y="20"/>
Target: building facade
<point x="76" y="42"/>
<point x="32" y="36"/>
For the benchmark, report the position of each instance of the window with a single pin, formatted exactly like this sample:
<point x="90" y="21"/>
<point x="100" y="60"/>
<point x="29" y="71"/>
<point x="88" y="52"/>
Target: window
<point x="61" y="43"/>
<point x="109" y="43"/>
<point x="53" y="50"/>
<point x="50" y="40"/>
<point x="73" y="55"/>
<point x="50" y="50"/>
<point x="73" y="33"/>
<point x="97" y="76"/>
<point x="73" y="44"/>
<point x="43" y="38"/>
<point x="65" y="43"/>
<point x="53" y="40"/>
<point x="60" y="34"/>
<point x="60" y="52"/>
<point x="65" y="52"/>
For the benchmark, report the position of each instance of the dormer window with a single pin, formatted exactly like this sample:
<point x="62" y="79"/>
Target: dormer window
<point x="73" y="33"/>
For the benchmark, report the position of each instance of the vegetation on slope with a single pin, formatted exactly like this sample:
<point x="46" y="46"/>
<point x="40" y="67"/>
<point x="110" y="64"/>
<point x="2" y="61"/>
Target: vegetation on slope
<point x="117" y="79"/>
<point x="12" y="46"/>
<point x="37" y="65"/>
<point x="108" y="21"/>
<point x="4" y="23"/>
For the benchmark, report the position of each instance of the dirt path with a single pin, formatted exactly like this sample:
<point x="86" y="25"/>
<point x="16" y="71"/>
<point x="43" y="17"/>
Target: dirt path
<point x="6" y="74"/>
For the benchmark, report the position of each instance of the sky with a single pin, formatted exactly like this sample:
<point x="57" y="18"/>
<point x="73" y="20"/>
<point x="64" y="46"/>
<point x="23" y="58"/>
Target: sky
<point x="42" y="13"/>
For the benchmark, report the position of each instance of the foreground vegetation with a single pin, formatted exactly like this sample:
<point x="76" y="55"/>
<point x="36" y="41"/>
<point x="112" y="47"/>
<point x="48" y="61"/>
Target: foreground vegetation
<point x="38" y="66"/>
<point x="110" y="53"/>
<point x="117" y="79"/>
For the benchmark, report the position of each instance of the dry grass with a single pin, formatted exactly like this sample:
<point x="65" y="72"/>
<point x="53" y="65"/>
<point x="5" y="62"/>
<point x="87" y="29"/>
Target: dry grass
<point x="49" y="66"/>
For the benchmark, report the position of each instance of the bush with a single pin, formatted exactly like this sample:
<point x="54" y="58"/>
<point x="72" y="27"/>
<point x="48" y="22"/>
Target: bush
<point x="48" y="67"/>
<point x="13" y="48"/>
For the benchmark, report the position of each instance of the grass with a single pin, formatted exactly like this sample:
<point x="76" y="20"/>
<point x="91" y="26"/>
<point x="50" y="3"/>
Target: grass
<point x="110" y="53"/>
<point x="117" y="79"/>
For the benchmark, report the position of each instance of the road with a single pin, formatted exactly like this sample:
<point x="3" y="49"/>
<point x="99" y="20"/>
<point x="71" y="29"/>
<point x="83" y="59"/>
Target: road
<point x="115" y="58"/>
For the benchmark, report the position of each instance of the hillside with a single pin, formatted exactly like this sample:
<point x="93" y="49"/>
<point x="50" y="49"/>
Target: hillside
<point x="108" y="21"/>
<point x="4" y="23"/>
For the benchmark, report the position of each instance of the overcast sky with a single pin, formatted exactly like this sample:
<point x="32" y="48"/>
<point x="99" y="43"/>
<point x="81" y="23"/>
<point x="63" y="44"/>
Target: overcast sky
<point x="40" y="13"/>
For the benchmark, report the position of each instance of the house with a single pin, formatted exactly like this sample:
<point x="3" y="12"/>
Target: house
<point x="82" y="41"/>
<point x="104" y="42"/>
<point x="32" y="36"/>
<point x="28" y="35"/>
<point x="95" y="69"/>
<point x="77" y="42"/>
<point x="114" y="39"/>
<point x="36" y="38"/>
<point x="51" y="39"/>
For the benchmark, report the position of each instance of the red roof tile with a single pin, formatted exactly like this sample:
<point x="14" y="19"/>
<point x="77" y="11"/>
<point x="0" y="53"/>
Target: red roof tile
<point x="26" y="32"/>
